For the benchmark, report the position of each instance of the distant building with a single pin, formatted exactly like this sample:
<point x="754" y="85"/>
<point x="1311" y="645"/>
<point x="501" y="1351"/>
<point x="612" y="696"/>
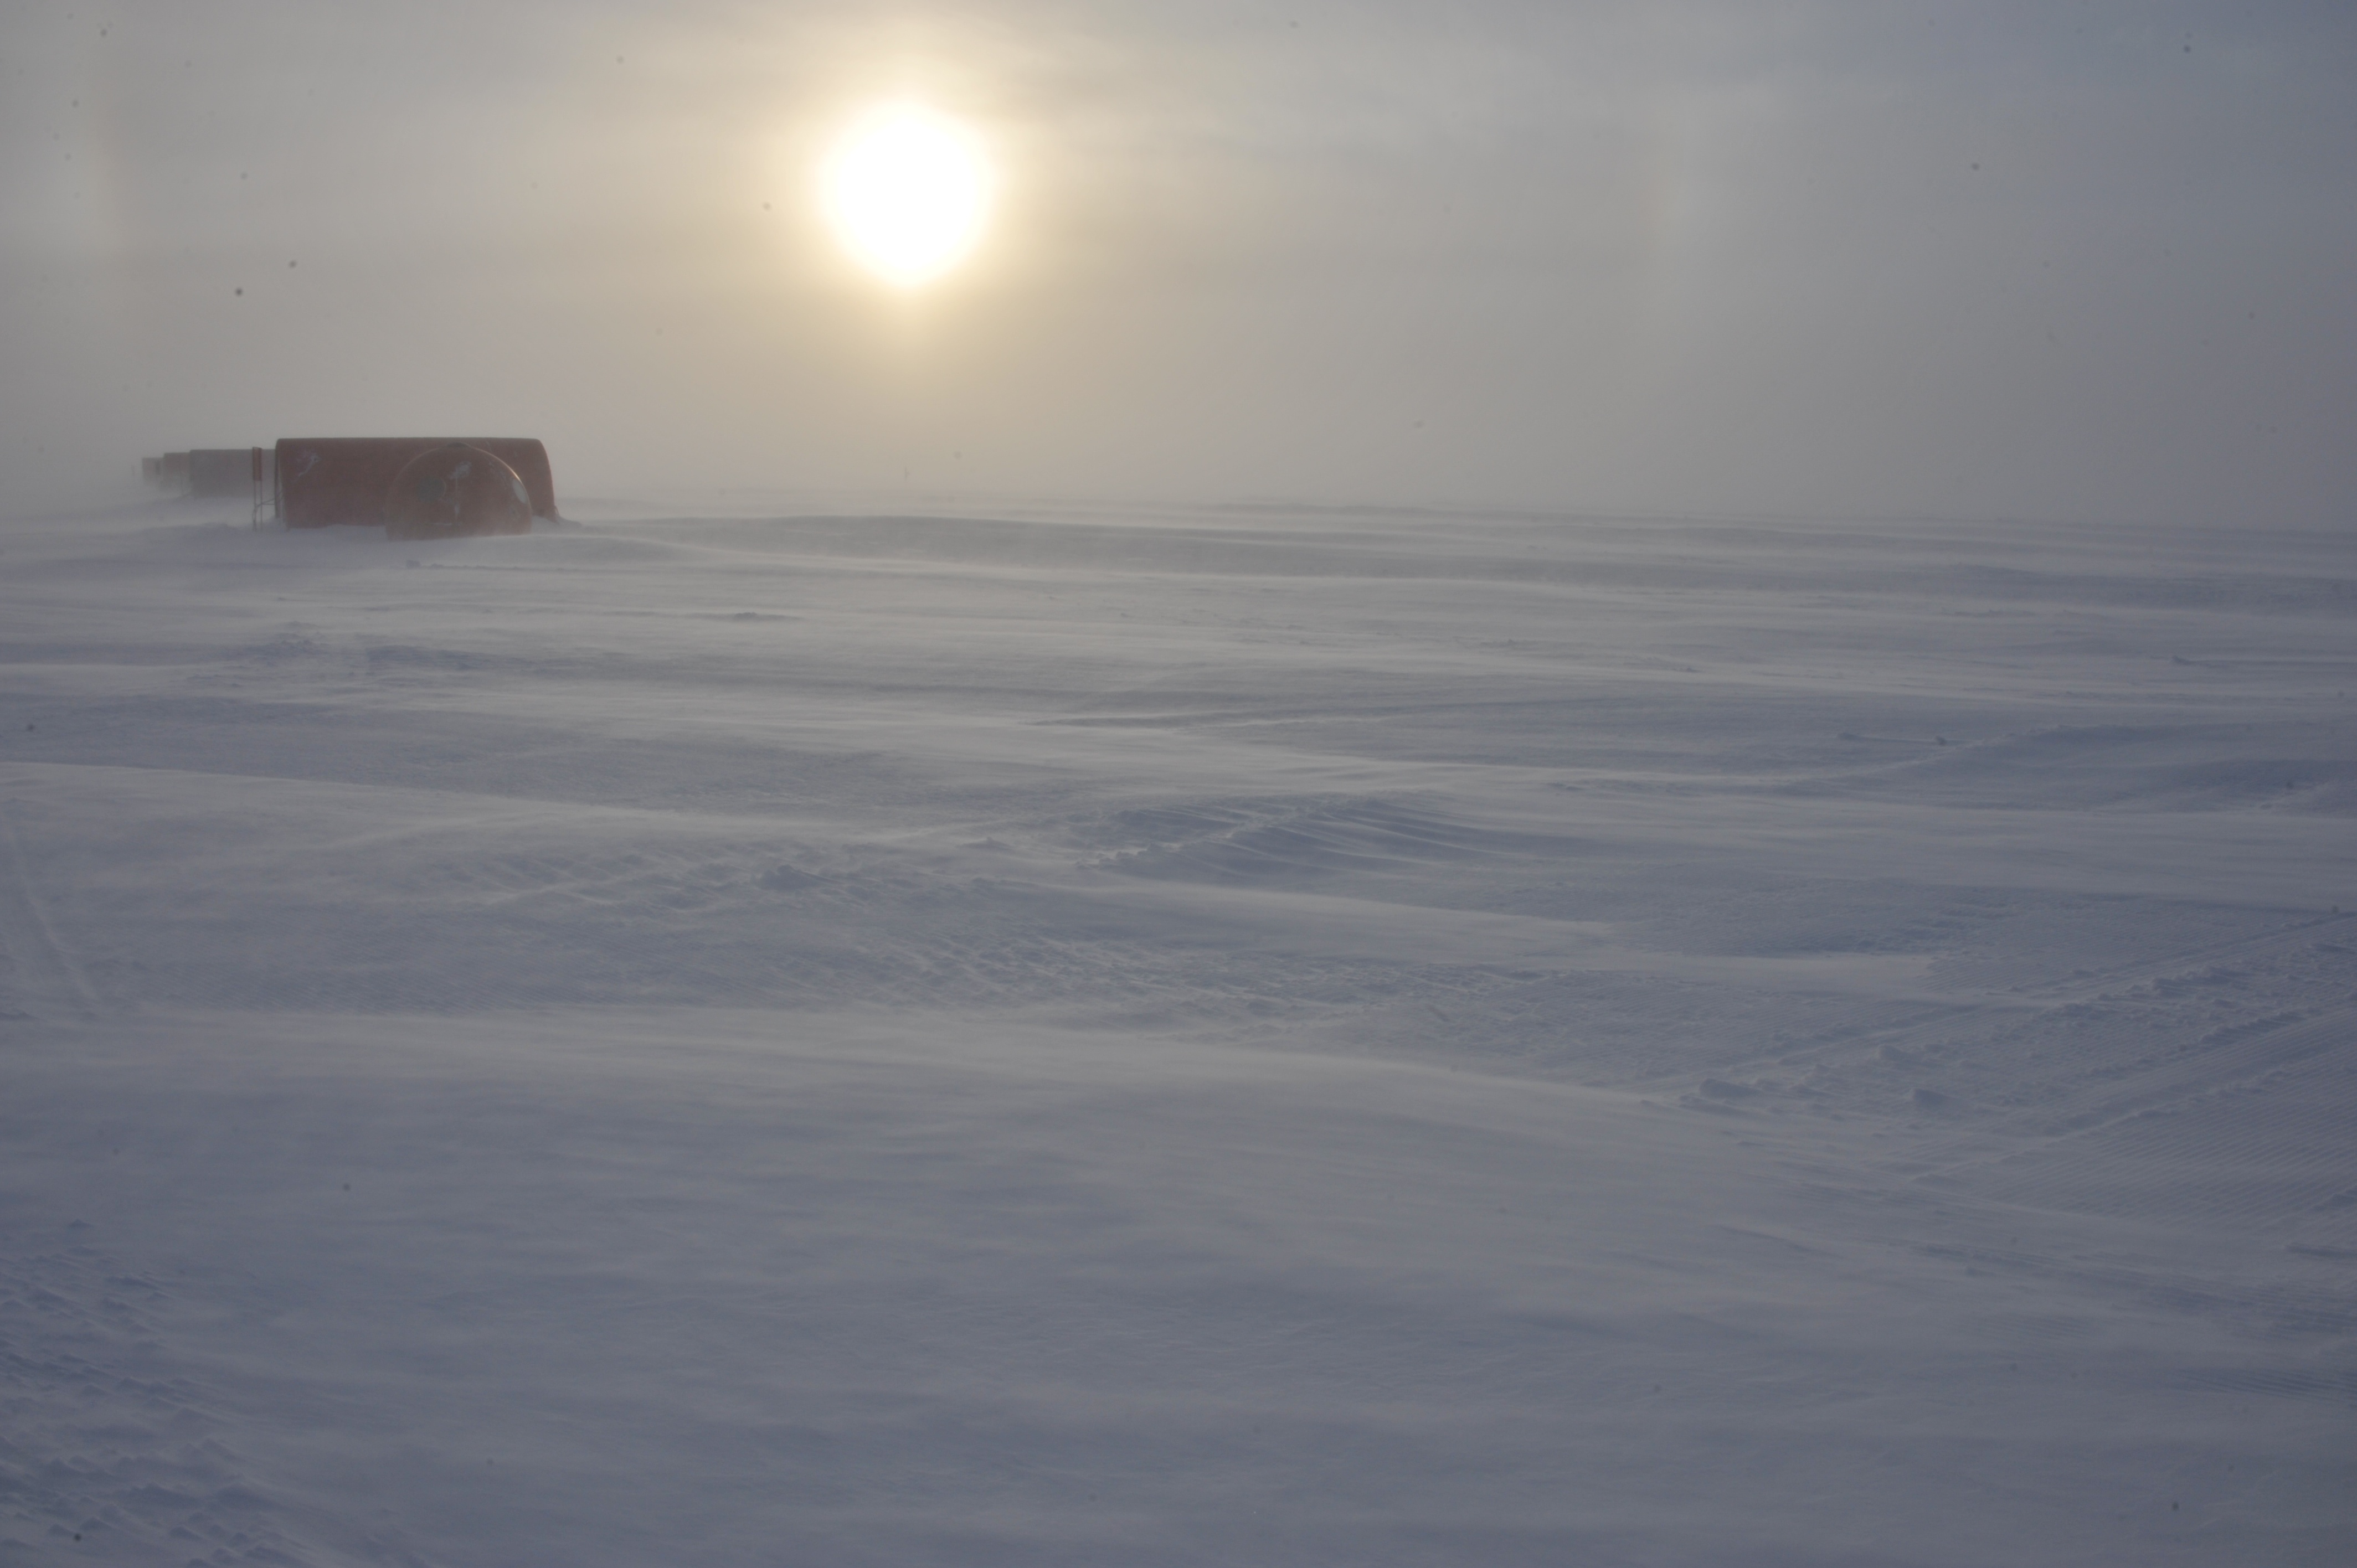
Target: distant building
<point x="325" y="481"/>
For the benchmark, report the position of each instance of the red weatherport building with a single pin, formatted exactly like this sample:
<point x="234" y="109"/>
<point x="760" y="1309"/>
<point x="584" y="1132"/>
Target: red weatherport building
<point x="321" y="482"/>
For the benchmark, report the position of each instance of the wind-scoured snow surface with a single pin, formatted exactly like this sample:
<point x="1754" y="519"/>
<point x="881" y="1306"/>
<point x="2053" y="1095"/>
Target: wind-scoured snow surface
<point x="1156" y="1038"/>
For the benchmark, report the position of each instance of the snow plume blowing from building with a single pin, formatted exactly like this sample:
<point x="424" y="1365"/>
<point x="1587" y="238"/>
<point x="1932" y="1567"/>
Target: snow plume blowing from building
<point x="1837" y="259"/>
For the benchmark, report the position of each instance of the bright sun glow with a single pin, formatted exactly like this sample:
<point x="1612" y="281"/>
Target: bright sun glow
<point x="906" y="192"/>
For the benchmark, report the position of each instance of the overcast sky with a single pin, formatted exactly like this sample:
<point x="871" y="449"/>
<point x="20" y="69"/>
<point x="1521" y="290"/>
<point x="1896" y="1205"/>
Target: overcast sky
<point x="2043" y="261"/>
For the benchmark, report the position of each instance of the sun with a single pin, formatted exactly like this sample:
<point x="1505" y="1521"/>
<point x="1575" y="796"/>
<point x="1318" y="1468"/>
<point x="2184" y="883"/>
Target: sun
<point x="907" y="192"/>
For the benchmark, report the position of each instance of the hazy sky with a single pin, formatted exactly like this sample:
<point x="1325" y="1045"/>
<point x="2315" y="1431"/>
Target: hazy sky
<point x="2094" y="261"/>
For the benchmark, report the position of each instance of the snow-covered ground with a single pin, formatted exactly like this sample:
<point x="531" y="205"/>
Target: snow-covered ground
<point x="1140" y="1037"/>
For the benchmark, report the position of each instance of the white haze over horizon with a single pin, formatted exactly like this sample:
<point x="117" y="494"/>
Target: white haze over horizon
<point x="1994" y="261"/>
